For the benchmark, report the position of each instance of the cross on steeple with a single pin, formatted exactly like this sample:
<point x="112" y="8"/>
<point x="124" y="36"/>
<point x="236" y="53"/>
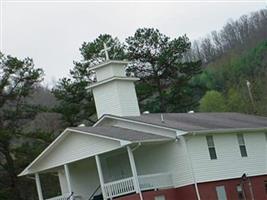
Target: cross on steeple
<point x="106" y="49"/>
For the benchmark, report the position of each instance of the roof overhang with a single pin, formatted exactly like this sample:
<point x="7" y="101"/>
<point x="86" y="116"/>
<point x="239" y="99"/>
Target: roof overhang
<point x="230" y="130"/>
<point x="108" y="116"/>
<point x="117" y="62"/>
<point x="114" y="78"/>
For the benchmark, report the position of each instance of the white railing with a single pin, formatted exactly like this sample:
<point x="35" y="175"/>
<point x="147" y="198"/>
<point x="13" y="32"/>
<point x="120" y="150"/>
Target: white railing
<point x="146" y="182"/>
<point x="65" y="197"/>
<point x="155" y="181"/>
<point x="120" y="187"/>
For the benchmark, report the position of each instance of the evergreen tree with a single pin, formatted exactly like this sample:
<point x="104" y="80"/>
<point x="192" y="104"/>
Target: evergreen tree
<point x="159" y="62"/>
<point x="76" y="103"/>
<point x="17" y="80"/>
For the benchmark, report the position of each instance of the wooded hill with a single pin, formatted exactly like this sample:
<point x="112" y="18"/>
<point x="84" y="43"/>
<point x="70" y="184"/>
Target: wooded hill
<point x="231" y="57"/>
<point x="209" y="75"/>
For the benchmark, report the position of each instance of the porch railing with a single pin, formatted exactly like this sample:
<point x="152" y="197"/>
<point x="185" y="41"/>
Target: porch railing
<point x="155" y="181"/>
<point x="120" y="187"/>
<point x="146" y="182"/>
<point x="65" y="197"/>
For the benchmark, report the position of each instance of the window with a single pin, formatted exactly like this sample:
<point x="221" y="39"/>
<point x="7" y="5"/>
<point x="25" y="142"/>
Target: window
<point x="242" y="145"/>
<point x="221" y="194"/>
<point x="265" y="186"/>
<point x="161" y="197"/>
<point x="240" y="192"/>
<point x="211" y="147"/>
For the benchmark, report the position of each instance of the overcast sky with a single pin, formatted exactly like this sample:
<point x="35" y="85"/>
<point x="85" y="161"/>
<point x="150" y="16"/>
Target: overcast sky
<point x="52" y="32"/>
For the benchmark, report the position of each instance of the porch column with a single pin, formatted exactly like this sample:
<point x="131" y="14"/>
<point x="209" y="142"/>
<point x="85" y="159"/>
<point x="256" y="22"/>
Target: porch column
<point x="100" y="174"/>
<point x="134" y="172"/>
<point x="39" y="187"/>
<point x="67" y="173"/>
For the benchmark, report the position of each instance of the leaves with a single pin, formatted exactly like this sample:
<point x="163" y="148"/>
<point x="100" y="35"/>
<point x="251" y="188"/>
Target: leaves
<point x="17" y="81"/>
<point x="159" y="62"/>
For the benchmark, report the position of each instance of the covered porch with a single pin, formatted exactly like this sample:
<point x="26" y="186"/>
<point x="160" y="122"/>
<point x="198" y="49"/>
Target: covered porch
<point x="129" y="169"/>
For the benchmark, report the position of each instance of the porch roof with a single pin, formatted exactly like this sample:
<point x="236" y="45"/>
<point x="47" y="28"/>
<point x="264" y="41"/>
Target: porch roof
<point x="77" y="143"/>
<point x="120" y="133"/>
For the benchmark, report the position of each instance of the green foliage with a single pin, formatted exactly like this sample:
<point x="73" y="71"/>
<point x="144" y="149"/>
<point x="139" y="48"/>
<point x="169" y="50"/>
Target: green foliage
<point x="212" y="101"/>
<point x="158" y="61"/>
<point x="17" y="81"/>
<point x="76" y="103"/>
<point x="236" y="102"/>
<point x="229" y="74"/>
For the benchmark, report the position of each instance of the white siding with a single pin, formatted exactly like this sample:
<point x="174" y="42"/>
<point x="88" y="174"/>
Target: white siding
<point x="84" y="177"/>
<point x="103" y="73"/>
<point x="167" y="157"/>
<point x="109" y="71"/>
<point x="116" y="97"/>
<point x="73" y="147"/>
<point x="229" y="163"/>
<point x="128" y="98"/>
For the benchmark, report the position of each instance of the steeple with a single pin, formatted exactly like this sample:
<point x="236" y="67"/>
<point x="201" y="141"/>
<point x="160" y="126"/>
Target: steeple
<point x="114" y="92"/>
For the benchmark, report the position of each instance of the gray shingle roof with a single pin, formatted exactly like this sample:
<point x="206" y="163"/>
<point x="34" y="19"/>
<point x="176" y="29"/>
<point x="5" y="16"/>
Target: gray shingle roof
<point x="203" y="121"/>
<point x="120" y="133"/>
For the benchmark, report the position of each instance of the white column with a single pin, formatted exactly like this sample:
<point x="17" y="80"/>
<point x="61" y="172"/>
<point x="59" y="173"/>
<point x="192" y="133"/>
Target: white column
<point x="39" y="187"/>
<point x="100" y="174"/>
<point x="134" y="172"/>
<point x="67" y="174"/>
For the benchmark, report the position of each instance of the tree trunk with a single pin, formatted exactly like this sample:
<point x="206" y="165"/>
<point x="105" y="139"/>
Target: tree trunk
<point x="161" y="96"/>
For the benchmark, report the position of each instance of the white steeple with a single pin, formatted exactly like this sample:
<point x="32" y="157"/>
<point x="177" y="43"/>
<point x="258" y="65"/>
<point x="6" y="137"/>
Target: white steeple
<point x="114" y="92"/>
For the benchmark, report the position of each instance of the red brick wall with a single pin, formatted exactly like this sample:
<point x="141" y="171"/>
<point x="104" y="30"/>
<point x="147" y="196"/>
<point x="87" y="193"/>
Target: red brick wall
<point x="182" y="193"/>
<point x="208" y="191"/>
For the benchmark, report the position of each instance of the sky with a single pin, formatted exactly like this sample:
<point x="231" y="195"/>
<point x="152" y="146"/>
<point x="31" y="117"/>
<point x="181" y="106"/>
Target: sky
<point x="51" y="32"/>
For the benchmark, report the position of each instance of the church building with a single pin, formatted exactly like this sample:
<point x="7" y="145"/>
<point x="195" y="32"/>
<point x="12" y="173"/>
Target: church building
<point x="127" y="155"/>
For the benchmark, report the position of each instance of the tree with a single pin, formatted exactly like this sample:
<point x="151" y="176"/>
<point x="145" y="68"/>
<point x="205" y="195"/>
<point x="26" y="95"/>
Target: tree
<point x="159" y="62"/>
<point x="235" y="102"/>
<point x="76" y="103"/>
<point x="17" y="80"/>
<point x="212" y="101"/>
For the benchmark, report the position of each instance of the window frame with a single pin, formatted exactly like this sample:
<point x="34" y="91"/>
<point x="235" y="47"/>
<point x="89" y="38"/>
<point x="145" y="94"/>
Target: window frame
<point x="211" y="147"/>
<point x="219" y="189"/>
<point x="265" y="186"/>
<point x="242" y="145"/>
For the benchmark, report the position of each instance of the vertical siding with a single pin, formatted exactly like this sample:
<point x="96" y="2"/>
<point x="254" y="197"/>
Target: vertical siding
<point x="229" y="163"/>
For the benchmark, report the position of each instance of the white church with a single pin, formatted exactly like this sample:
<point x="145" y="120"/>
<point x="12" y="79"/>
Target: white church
<point x="126" y="155"/>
